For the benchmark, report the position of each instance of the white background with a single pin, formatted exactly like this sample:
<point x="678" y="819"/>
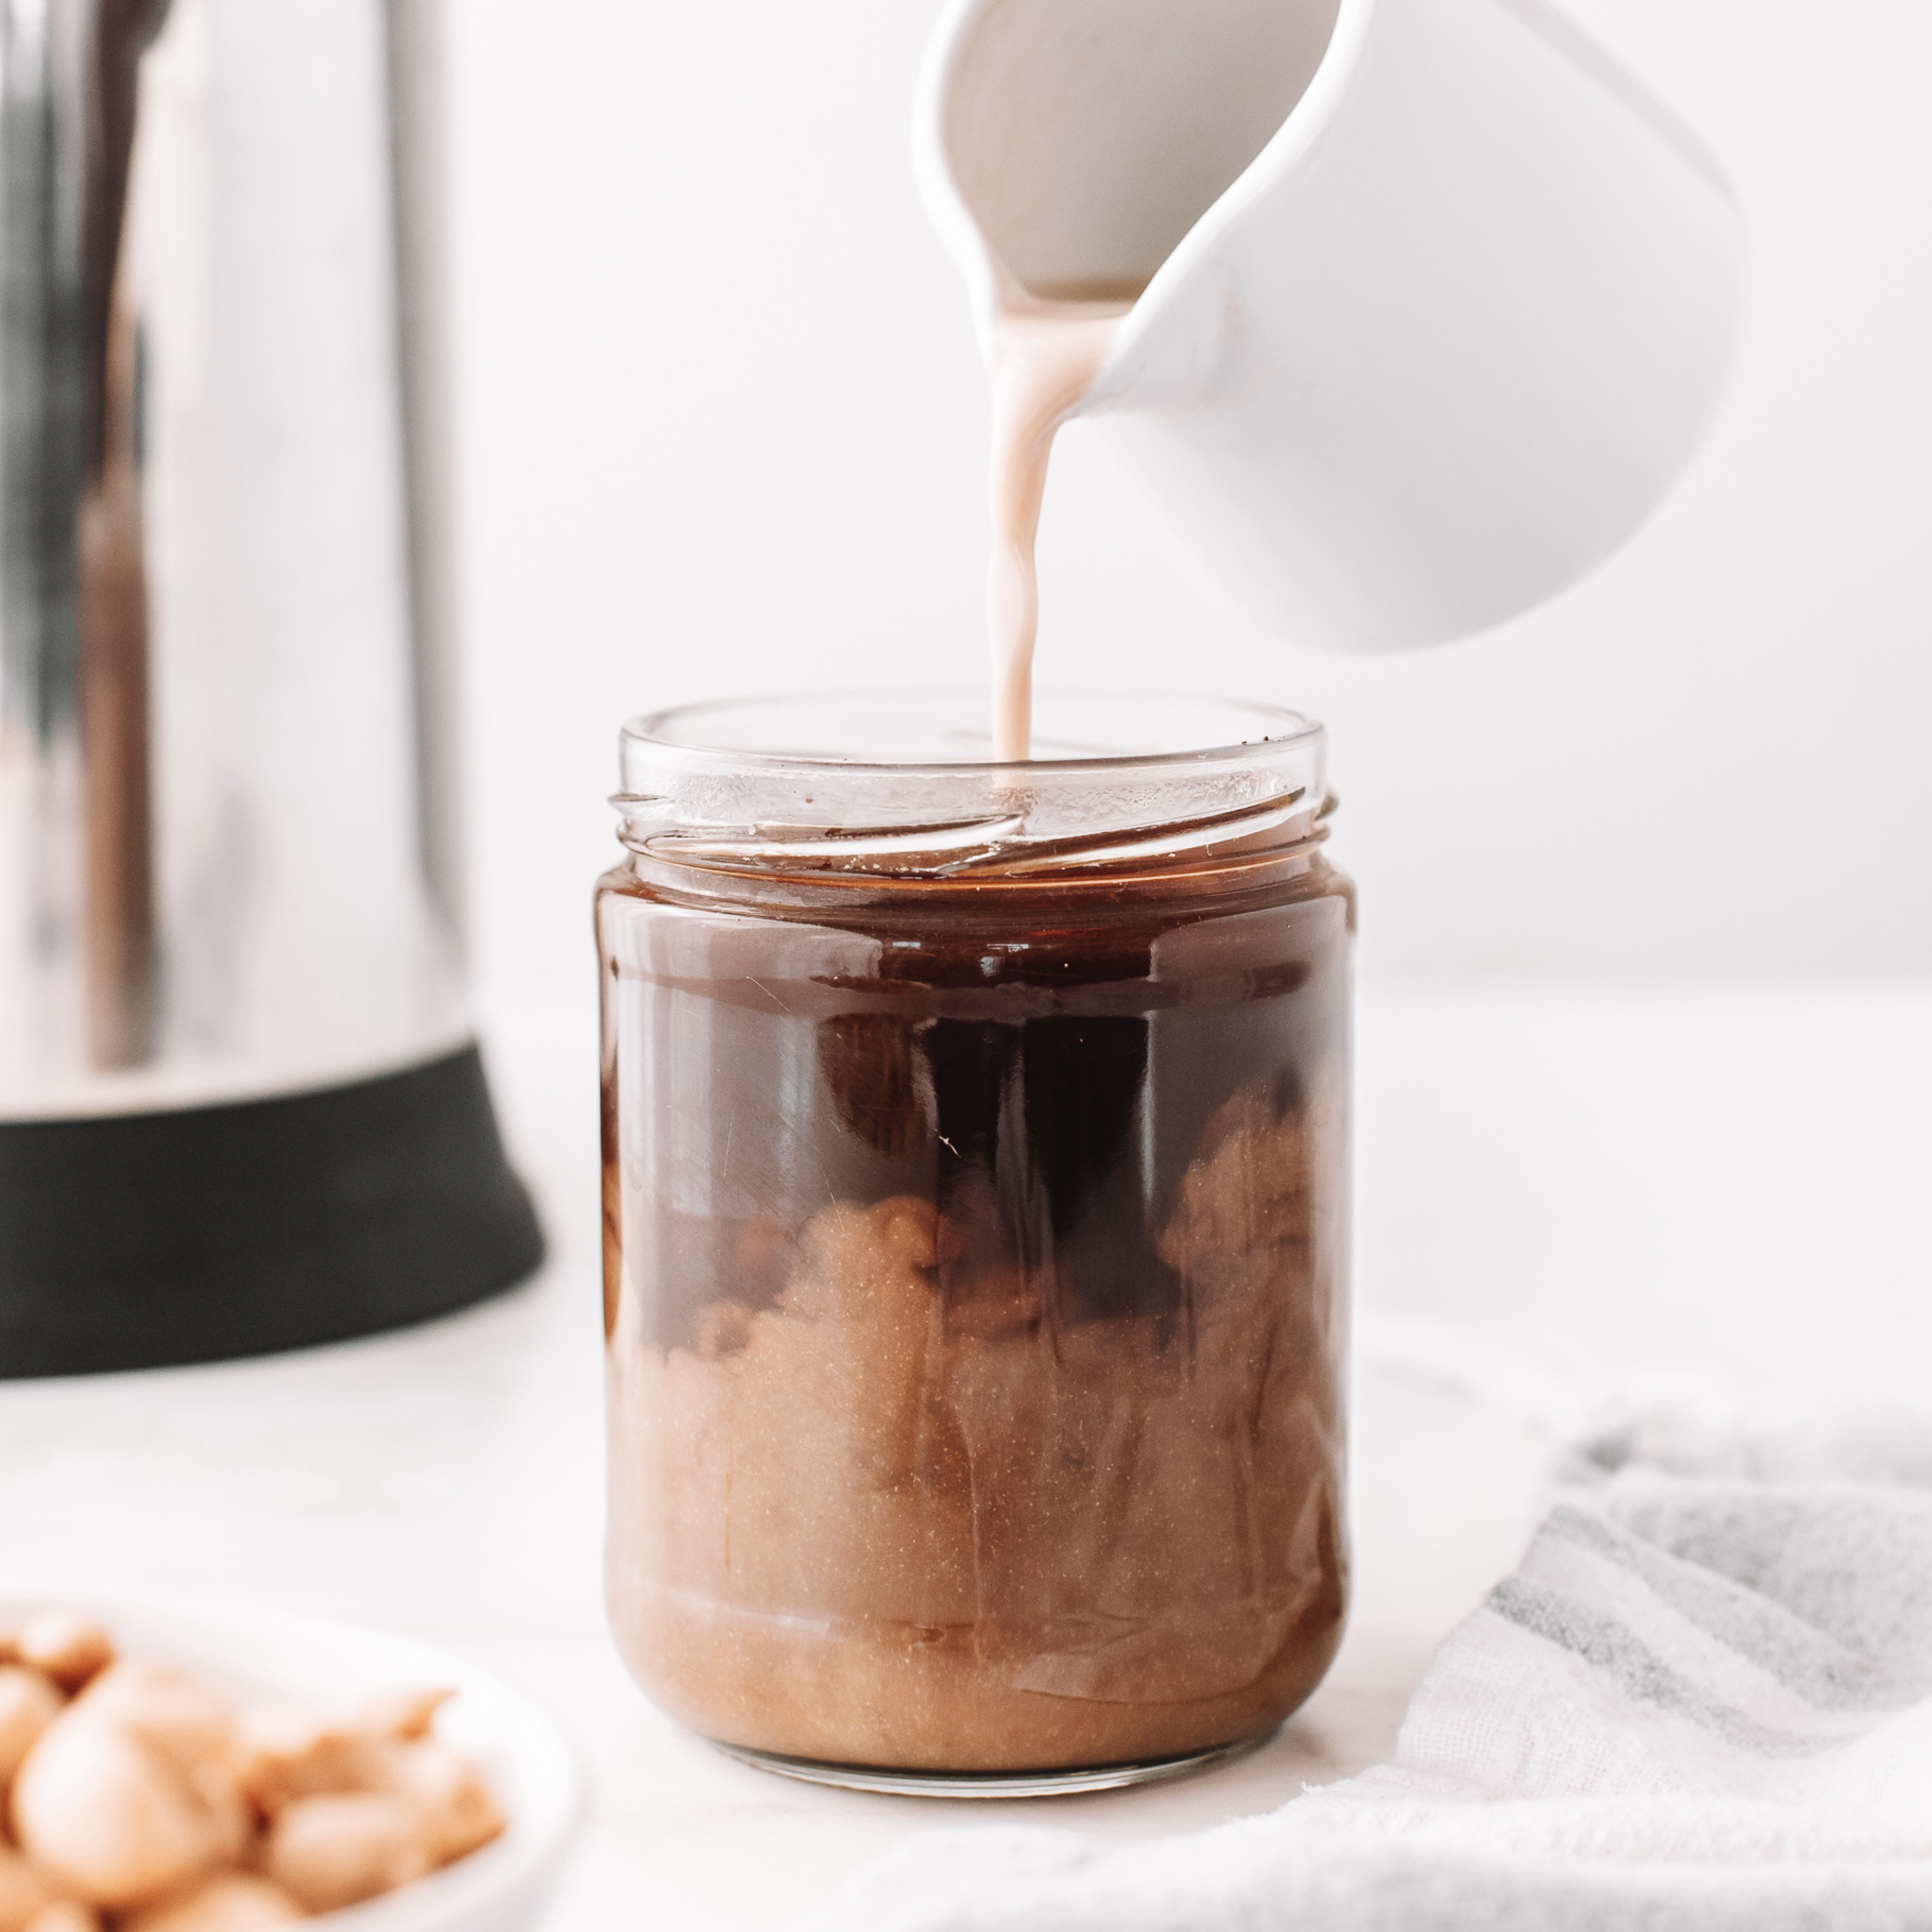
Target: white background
<point x="722" y="429"/>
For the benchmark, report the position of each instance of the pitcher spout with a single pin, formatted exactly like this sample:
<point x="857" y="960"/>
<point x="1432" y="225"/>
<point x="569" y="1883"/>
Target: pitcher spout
<point x="1065" y="147"/>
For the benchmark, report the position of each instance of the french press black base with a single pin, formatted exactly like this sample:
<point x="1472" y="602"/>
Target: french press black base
<point x="144" y="1240"/>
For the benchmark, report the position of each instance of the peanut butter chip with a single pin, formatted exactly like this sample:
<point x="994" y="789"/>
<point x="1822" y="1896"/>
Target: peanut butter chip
<point x="69" y="1648"/>
<point x="346" y="1846"/>
<point x="29" y="1702"/>
<point x="107" y="1810"/>
<point x="23" y="1890"/>
<point x="65" y="1915"/>
<point x="231" y="1902"/>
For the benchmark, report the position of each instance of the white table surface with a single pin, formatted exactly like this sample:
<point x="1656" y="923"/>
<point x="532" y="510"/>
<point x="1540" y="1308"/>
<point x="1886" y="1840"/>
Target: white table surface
<point x="1554" y="1188"/>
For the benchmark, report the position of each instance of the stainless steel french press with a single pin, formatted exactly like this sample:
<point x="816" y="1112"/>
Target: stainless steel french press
<point x="241" y="1106"/>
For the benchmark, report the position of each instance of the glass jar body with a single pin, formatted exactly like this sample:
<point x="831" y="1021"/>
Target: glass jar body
<point x="975" y="1307"/>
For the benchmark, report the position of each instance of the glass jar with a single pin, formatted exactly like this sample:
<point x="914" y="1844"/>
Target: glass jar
<point x="975" y="1189"/>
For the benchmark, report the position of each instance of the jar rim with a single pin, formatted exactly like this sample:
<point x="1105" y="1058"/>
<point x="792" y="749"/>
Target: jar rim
<point x="789" y="794"/>
<point x="649" y="734"/>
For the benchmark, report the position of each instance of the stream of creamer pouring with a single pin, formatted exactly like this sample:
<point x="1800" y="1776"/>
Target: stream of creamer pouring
<point x="1042" y="353"/>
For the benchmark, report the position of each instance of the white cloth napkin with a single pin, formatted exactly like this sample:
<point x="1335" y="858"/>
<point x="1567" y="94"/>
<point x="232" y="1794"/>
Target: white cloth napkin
<point x="1703" y="1700"/>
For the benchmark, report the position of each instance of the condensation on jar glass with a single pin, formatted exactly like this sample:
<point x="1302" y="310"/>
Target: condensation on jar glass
<point x="976" y="1192"/>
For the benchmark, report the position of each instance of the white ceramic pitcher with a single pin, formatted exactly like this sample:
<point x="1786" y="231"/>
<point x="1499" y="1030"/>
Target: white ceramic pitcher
<point x="1437" y="303"/>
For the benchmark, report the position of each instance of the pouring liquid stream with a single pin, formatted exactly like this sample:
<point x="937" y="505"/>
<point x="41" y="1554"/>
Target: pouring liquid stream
<point x="1043" y="351"/>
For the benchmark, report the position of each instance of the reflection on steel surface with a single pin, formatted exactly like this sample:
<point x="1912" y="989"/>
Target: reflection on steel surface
<point x="111" y="599"/>
<point x="211" y="873"/>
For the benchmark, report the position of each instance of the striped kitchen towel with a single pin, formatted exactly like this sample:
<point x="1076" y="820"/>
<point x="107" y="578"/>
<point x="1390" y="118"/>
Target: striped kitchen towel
<point x="1704" y="1700"/>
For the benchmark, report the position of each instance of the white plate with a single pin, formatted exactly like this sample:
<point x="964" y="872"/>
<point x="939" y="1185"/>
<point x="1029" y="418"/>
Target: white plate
<point x="248" y="1653"/>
